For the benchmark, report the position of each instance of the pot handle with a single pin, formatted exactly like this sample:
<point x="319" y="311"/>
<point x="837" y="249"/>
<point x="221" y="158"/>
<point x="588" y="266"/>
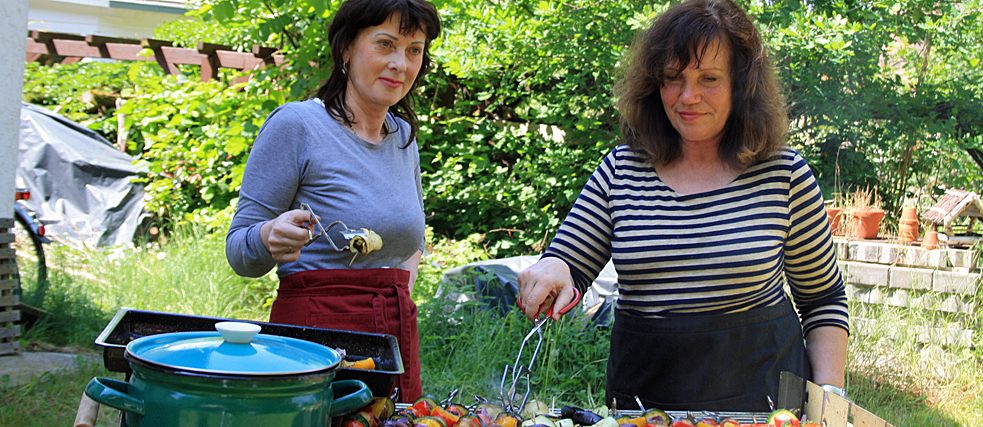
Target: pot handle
<point x="112" y="392"/>
<point x="350" y="396"/>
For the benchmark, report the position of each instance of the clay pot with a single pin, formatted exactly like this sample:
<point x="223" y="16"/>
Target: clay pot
<point x="868" y="223"/>
<point x="835" y="215"/>
<point x="931" y="240"/>
<point x="909" y="213"/>
<point x="908" y="225"/>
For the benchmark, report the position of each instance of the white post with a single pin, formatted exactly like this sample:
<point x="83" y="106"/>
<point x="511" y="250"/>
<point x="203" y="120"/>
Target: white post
<point x="13" y="29"/>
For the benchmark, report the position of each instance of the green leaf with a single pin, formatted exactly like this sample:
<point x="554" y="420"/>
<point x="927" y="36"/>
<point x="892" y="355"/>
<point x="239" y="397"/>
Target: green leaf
<point x="223" y="11"/>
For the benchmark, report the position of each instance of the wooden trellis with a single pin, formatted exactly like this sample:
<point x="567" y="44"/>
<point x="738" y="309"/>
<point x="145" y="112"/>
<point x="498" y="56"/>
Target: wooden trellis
<point x="9" y="298"/>
<point x="68" y="48"/>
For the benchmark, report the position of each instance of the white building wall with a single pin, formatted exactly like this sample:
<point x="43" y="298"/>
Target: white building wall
<point x="13" y="26"/>
<point x="116" y="18"/>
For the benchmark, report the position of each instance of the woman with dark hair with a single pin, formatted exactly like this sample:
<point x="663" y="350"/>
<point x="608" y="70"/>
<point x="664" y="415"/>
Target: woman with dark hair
<point x="708" y="218"/>
<point x="348" y="155"/>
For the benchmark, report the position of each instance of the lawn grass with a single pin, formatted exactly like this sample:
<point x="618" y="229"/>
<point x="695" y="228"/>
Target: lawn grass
<point x="463" y="346"/>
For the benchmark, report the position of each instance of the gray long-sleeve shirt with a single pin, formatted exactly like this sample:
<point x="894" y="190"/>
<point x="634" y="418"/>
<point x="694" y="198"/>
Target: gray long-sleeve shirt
<point x="302" y="154"/>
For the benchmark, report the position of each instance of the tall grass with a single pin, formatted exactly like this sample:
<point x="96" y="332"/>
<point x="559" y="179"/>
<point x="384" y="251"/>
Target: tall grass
<point x="463" y="345"/>
<point x="188" y="274"/>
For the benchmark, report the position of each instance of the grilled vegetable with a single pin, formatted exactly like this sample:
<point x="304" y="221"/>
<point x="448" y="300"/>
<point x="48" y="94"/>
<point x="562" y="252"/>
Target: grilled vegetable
<point x="424" y="406"/>
<point x="369" y="243"/>
<point x="707" y="422"/>
<point x="683" y="422"/>
<point x="783" y="418"/>
<point x="534" y="408"/>
<point x="449" y="418"/>
<point x="457" y="409"/>
<point x="469" y="421"/>
<point x="367" y="363"/>
<point x="580" y="416"/>
<point x="632" y="422"/>
<point x="606" y="422"/>
<point x="413" y="413"/>
<point x="355" y="420"/>
<point x="729" y="422"/>
<point x="398" y="420"/>
<point x="506" y="419"/>
<point x="429" y="422"/>
<point x="657" y="418"/>
<point x="487" y="412"/>
<point x="380" y="408"/>
<point x="564" y="422"/>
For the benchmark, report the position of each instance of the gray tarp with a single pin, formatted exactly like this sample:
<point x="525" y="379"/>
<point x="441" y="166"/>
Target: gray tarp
<point x="81" y="185"/>
<point x="496" y="282"/>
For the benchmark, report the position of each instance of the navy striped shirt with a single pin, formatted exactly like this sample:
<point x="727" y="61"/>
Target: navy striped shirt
<point x="722" y="251"/>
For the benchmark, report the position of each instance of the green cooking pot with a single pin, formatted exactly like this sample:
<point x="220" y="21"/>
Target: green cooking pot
<point x="233" y="377"/>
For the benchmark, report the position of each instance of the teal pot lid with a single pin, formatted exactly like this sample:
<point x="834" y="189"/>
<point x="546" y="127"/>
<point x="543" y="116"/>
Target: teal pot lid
<point x="236" y="349"/>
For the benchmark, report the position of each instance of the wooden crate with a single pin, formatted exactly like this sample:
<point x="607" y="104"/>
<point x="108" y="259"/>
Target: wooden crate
<point x="819" y="405"/>
<point x="9" y="290"/>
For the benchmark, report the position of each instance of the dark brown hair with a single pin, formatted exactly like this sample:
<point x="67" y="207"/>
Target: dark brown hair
<point x="355" y="15"/>
<point x="758" y="120"/>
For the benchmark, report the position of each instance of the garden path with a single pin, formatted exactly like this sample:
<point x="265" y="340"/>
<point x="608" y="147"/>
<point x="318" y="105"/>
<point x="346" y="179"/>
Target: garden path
<point x="23" y="367"/>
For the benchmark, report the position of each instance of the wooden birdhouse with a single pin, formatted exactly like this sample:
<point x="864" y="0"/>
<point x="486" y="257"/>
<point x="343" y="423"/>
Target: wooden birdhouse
<point x="954" y="205"/>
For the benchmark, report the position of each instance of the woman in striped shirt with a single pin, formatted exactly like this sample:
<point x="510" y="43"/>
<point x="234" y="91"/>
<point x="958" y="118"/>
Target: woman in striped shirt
<point x="711" y="223"/>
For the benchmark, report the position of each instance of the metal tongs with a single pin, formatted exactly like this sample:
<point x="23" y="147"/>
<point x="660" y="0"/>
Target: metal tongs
<point x="519" y="373"/>
<point x="357" y="241"/>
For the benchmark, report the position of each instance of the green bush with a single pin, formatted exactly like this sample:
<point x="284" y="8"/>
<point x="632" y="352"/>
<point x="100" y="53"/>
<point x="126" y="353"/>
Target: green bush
<point x="519" y="109"/>
<point x="194" y="137"/>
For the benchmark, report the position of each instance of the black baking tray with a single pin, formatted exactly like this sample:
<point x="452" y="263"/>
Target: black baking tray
<point x="130" y="324"/>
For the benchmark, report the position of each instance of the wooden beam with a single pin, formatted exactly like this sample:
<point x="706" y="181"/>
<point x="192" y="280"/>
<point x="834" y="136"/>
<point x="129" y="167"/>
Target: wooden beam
<point x="157" y="46"/>
<point x="209" y="63"/>
<point x="117" y="48"/>
<point x="75" y="48"/>
<point x="9" y="316"/>
<point x="238" y="60"/>
<point x="8" y="268"/>
<point x="264" y="53"/>
<point x="48" y="39"/>
<point x="36" y="50"/>
<point x="67" y="48"/>
<point x="9" y="347"/>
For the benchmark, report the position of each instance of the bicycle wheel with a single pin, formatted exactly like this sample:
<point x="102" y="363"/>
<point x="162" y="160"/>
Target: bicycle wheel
<point x="30" y="260"/>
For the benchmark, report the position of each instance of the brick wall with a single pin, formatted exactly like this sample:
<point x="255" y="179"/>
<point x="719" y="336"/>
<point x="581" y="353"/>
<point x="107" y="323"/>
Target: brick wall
<point x="945" y="280"/>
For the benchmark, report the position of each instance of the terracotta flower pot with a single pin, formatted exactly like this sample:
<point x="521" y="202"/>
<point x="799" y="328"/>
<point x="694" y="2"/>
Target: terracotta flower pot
<point x="931" y="240"/>
<point x="909" y="213"/>
<point x="868" y="223"/>
<point x="907" y="231"/>
<point x="908" y="225"/>
<point x="835" y="215"/>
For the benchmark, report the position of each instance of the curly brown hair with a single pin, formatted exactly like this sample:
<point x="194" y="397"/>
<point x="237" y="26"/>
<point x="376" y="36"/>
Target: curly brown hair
<point x="758" y="120"/>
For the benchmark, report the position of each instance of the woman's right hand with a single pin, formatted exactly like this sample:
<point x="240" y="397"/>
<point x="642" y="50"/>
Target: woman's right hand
<point x="285" y="235"/>
<point x="546" y="283"/>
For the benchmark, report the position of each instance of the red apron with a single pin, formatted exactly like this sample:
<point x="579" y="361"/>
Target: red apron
<point x="370" y="300"/>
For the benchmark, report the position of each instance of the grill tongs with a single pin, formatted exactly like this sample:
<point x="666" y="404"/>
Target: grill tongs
<point x="359" y="242"/>
<point x="356" y="240"/>
<point x="517" y="373"/>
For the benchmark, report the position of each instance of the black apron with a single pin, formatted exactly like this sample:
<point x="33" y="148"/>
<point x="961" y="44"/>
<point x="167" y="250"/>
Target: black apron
<point x="728" y="362"/>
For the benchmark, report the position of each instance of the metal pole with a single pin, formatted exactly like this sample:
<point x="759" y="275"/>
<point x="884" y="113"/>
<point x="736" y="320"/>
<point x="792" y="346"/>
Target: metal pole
<point x="13" y="27"/>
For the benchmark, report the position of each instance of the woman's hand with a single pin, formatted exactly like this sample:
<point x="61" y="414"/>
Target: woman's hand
<point x="285" y="235"/>
<point x="546" y="284"/>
